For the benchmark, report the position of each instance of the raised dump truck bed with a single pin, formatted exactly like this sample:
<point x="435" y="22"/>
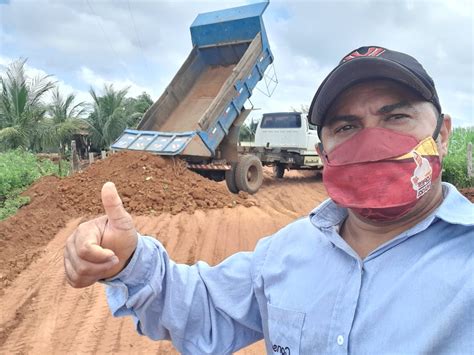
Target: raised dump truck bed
<point x="193" y="106"/>
<point x="199" y="107"/>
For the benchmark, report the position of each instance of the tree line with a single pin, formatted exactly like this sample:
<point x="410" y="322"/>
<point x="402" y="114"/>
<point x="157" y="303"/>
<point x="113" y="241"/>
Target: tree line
<point x="29" y="121"/>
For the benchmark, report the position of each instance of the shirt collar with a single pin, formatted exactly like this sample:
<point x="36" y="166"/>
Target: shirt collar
<point x="455" y="209"/>
<point x="328" y="214"/>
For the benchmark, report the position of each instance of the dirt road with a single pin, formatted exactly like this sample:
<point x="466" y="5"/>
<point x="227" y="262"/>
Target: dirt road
<point x="41" y="314"/>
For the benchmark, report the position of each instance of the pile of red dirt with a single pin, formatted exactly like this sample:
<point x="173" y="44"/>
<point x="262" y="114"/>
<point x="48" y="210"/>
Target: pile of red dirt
<point x="148" y="185"/>
<point x="469" y="193"/>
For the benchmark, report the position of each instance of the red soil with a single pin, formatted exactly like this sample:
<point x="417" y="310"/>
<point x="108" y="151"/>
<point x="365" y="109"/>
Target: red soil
<point x="148" y="184"/>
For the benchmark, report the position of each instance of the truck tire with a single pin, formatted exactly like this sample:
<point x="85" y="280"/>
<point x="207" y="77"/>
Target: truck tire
<point x="249" y="174"/>
<point x="230" y="180"/>
<point x="279" y="170"/>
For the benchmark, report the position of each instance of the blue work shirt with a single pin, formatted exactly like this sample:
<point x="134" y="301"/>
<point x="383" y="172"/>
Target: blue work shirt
<point x="306" y="291"/>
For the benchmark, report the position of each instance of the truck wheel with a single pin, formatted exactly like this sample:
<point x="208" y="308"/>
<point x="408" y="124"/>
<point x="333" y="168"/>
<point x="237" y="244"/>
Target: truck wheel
<point x="230" y="180"/>
<point x="249" y="174"/>
<point x="279" y="170"/>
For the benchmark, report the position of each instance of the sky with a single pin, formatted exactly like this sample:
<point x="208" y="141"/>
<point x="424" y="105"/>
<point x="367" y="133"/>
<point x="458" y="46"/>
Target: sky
<point x="142" y="44"/>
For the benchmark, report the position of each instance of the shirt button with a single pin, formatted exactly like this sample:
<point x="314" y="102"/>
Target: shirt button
<point x="340" y="340"/>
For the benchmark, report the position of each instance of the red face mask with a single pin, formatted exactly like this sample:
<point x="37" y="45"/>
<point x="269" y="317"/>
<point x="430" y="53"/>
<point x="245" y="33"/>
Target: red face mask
<point x="380" y="174"/>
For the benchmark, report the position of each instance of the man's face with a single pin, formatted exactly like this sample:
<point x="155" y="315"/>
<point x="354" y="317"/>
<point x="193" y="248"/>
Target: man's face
<point x="383" y="104"/>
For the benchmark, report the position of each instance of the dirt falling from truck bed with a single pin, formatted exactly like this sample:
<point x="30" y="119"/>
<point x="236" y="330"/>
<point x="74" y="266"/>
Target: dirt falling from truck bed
<point x="148" y="185"/>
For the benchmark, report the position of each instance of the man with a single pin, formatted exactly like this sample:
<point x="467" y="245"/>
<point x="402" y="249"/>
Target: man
<point x="383" y="266"/>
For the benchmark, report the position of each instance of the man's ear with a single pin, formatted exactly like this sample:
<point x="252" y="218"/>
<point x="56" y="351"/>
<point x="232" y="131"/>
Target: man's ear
<point x="444" y="134"/>
<point x="320" y="150"/>
<point x="318" y="147"/>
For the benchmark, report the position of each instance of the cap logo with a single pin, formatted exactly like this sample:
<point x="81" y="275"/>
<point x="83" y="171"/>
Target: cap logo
<point x="364" y="52"/>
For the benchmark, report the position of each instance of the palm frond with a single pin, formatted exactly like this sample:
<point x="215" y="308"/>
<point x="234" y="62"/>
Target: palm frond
<point x="21" y="108"/>
<point x="13" y="137"/>
<point x="39" y="86"/>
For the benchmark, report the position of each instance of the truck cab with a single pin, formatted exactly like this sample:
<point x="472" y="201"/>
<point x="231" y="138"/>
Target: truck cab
<point x="285" y="140"/>
<point x="286" y="130"/>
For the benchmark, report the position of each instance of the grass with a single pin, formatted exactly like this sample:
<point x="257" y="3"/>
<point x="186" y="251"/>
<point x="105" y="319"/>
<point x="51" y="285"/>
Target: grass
<point x="11" y="205"/>
<point x="18" y="170"/>
<point x="455" y="163"/>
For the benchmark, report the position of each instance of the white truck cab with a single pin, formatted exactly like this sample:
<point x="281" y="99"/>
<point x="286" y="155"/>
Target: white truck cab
<point x="285" y="140"/>
<point x="288" y="130"/>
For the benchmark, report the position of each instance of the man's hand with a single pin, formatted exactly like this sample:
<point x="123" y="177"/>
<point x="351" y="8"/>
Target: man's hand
<point x="100" y="248"/>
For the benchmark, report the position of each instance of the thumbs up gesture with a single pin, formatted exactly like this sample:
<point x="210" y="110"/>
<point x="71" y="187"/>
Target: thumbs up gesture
<point x="100" y="248"/>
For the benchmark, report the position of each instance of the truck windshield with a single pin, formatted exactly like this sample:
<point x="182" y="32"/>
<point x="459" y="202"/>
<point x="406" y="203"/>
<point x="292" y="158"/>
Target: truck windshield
<point x="281" y="121"/>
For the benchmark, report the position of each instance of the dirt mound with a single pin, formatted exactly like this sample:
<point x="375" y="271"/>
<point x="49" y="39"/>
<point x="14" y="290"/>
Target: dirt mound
<point x="148" y="184"/>
<point x="469" y="193"/>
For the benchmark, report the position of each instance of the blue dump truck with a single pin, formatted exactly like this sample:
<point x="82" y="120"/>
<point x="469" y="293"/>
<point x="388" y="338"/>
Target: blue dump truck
<point x="199" y="115"/>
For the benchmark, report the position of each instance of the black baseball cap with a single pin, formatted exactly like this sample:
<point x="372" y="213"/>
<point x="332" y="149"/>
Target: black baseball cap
<point x="371" y="63"/>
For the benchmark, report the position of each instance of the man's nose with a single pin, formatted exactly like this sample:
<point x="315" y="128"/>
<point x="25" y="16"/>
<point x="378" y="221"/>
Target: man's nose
<point x="370" y="121"/>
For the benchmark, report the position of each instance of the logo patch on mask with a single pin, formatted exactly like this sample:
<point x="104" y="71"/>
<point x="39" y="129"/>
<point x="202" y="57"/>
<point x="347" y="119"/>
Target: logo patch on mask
<point x="421" y="179"/>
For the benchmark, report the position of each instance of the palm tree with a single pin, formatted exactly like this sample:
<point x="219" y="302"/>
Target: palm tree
<point x="64" y="120"/>
<point x="136" y="107"/>
<point x="62" y="109"/>
<point x="247" y="131"/>
<point x="21" y="106"/>
<point x="108" y="118"/>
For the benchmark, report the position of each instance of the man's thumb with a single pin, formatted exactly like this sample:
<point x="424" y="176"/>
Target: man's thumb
<point x="112" y="203"/>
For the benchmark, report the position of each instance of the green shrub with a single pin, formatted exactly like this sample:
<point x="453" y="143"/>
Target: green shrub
<point x="455" y="163"/>
<point x="18" y="170"/>
<point x="11" y="205"/>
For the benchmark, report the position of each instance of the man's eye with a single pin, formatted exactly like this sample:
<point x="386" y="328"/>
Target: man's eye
<point x="344" y="128"/>
<point x="396" y="117"/>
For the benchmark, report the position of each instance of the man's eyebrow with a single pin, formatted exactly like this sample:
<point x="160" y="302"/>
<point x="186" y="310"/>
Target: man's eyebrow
<point x="342" y="118"/>
<point x="390" y="108"/>
<point x="383" y="110"/>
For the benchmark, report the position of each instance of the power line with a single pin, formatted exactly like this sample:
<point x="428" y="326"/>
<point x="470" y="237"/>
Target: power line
<point x="102" y="28"/>
<point x="138" y="37"/>
<point x="106" y="37"/>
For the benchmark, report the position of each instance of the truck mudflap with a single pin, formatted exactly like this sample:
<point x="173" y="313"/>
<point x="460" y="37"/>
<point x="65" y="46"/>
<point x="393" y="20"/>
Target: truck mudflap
<point x="164" y="143"/>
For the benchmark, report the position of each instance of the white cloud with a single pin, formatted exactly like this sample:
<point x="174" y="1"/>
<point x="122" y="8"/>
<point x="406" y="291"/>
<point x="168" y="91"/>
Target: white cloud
<point x="64" y="88"/>
<point x="96" y="81"/>
<point x="87" y="76"/>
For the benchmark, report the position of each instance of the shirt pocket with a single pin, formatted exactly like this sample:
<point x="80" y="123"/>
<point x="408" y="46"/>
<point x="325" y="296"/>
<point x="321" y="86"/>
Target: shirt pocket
<point x="284" y="330"/>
